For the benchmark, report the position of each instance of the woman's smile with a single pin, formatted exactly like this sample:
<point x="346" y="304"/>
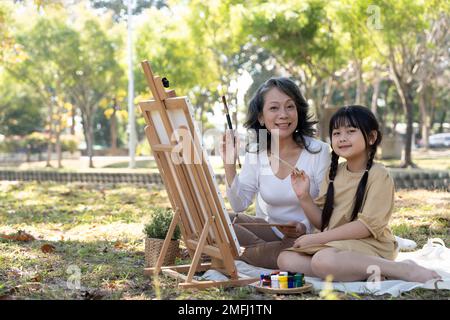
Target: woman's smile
<point x="283" y="125"/>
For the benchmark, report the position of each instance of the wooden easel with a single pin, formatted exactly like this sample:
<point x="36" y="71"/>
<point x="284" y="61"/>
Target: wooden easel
<point x="193" y="192"/>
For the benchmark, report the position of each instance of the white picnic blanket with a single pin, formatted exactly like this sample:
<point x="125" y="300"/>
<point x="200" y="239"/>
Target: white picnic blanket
<point x="434" y="255"/>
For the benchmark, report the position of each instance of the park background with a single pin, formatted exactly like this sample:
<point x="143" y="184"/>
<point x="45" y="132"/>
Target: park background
<point x="64" y="109"/>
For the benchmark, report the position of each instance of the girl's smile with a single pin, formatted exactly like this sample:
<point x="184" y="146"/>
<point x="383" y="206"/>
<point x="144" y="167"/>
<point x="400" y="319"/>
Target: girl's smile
<point x="349" y="143"/>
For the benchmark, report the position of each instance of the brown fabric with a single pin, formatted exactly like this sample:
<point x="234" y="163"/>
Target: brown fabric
<point x="261" y="245"/>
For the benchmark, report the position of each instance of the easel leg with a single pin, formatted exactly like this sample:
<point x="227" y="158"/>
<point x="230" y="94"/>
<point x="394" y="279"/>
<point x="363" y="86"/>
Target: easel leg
<point x="198" y="250"/>
<point x="165" y="247"/>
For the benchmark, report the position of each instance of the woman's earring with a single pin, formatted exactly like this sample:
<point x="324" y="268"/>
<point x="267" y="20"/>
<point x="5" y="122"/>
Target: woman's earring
<point x="296" y="130"/>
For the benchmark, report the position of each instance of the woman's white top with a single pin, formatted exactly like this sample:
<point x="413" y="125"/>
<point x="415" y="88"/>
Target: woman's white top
<point x="276" y="201"/>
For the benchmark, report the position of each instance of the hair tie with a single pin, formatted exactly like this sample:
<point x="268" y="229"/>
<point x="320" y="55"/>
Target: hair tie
<point x="331" y="181"/>
<point x="367" y="170"/>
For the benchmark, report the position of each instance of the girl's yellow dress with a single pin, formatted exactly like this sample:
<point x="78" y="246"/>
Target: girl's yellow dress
<point x="375" y="212"/>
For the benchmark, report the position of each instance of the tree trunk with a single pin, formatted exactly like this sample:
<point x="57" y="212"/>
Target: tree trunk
<point x="407" y="101"/>
<point x="376" y="92"/>
<point x="404" y="90"/>
<point x="58" y="148"/>
<point x="386" y="109"/>
<point x="409" y="132"/>
<point x="425" y="118"/>
<point x="346" y="96"/>
<point x="433" y="109"/>
<point x="88" y="136"/>
<point x="319" y="113"/>
<point x="72" y="127"/>
<point x="91" y="143"/>
<point x="394" y="124"/>
<point x="58" y="129"/>
<point x="114" y="132"/>
<point x="442" y="120"/>
<point x="359" y="99"/>
<point x="50" y="134"/>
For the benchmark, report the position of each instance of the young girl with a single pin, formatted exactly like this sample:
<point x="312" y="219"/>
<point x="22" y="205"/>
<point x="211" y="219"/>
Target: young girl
<point x="352" y="210"/>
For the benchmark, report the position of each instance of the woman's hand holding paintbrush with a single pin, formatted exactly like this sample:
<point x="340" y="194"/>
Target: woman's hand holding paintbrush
<point x="230" y="127"/>
<point x="229" y="152"/>
<point x="229" y="148"/>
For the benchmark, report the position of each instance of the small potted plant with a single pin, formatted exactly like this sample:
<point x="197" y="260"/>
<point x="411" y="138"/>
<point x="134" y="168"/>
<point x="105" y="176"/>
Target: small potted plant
<point x="156" y="231"/>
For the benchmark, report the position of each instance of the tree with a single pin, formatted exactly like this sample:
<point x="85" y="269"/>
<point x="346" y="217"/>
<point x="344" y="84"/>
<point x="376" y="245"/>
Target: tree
<point x="47" y="47"/>
<point x="300" y="37"/>
<point x="398" y="41"/>
<point x="176" y="55"/>
<point x="119" y="7"/>
<point x="96" y="77"/>
<point x="217" y="31"/>
<point x="434" y="57"/>
<point x="20" y="108"/>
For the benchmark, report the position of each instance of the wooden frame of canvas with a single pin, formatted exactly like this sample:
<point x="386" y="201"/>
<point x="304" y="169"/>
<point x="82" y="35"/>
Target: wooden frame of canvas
<point x="191" y="187"/>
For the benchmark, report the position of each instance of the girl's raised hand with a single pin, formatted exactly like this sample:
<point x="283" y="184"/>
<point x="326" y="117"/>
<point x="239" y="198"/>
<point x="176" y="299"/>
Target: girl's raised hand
<point x="300" y="183"/>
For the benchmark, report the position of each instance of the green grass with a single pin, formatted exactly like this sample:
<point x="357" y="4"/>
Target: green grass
<point x="428" y="163"/>
<point x="96" y="230"/>
<point x="141" y="164"/>
<point x="441" y="163"/>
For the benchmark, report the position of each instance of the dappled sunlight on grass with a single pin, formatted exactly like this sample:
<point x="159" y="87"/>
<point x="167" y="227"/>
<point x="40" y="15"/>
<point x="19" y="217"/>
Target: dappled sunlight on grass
<point x="20" y="195"/>
<point x="420" y="214"/>
<point x="99" y="229"/>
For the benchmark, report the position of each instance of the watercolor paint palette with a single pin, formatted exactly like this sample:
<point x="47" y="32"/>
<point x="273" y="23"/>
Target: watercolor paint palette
<point x="305" y="288"/>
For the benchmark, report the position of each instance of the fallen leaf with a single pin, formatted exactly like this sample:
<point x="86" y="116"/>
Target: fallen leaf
<point x="111" y="285"/>
<point x="47" y="248"/>
<point x="95" y="295"/>
<point x="19" y="236"/>
<point x="119" y="245"/>
<point x="37" y="278"/>
<point x="15" y="273"/>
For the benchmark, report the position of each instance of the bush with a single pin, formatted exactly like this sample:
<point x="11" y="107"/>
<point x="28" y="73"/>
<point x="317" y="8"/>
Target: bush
<point x="69" y="143"/>
<point x="143" y="148"/>
<point x="160" y="223"/>
<point x="36" y="141"/>
<point x="12" y="144"/>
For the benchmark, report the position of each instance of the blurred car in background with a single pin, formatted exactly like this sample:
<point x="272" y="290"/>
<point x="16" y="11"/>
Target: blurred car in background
<point x="440" y="140"/>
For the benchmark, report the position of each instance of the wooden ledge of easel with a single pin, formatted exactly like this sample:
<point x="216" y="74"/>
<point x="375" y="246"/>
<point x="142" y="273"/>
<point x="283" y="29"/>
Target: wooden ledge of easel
<point x="174" y="272"/>
<point x="179" y="268"/>
<point x="223" y="283"/>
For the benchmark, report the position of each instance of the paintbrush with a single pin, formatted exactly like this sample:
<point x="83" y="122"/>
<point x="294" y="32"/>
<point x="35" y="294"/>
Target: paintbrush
<point x="230" y="124"/>
<point x="294" y="169"/>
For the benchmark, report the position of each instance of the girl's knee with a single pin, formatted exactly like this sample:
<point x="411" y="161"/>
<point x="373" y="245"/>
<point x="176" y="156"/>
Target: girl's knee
<point x="323" y="262"/>
<point x="283" y="260"/>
